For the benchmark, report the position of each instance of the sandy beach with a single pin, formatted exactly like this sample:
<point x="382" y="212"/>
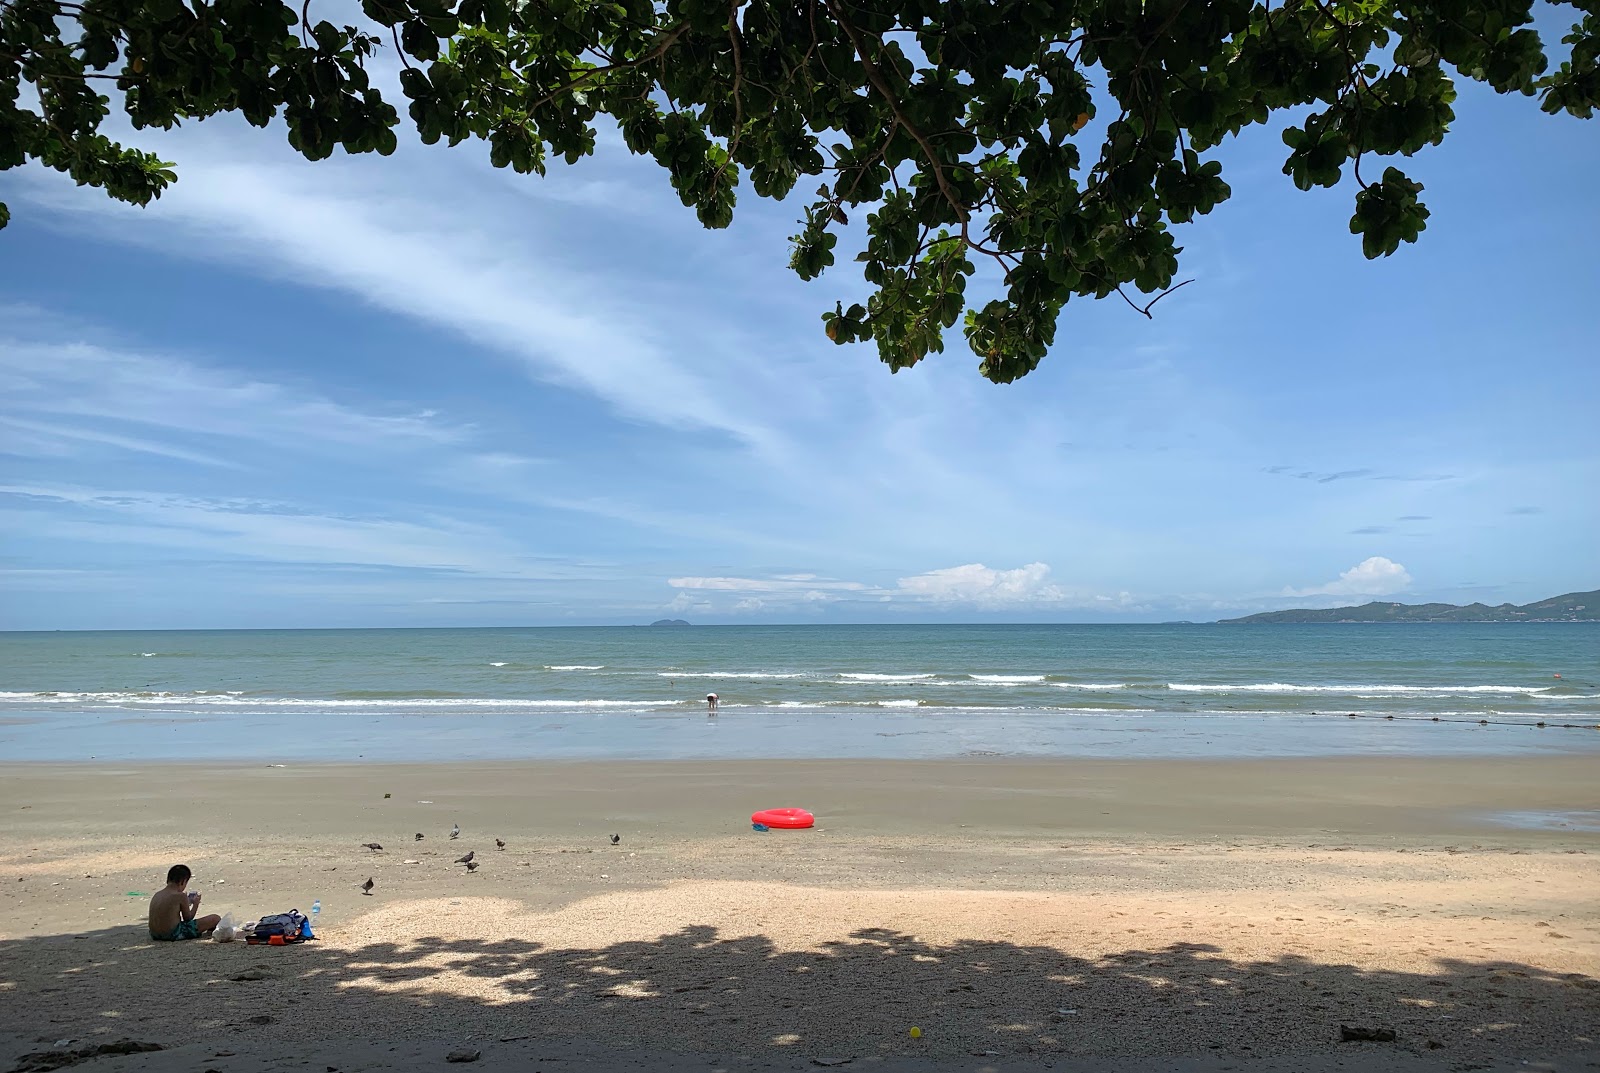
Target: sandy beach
<point x="1065" y="914"/>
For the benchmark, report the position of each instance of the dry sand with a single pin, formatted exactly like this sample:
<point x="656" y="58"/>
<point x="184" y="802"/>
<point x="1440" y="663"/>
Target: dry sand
<point x="1075" y="915"/>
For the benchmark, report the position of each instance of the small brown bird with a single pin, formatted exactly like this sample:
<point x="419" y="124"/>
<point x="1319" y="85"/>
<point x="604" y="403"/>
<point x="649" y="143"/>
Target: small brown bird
<point x="419" y="836"/>
<point x="499" y="843"/>
<point x="472" y="866"/>
<point x="615" y="839"/>
<point x="366" y="888"/>
<point x="467" y="859"/>
<point x="372" y="846"/>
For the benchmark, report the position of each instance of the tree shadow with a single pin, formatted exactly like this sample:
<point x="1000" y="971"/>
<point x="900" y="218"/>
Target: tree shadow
<point x="858" y="995"/>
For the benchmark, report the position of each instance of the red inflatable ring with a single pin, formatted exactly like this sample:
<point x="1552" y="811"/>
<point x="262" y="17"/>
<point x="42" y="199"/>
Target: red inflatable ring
<point x="791" y="818"/>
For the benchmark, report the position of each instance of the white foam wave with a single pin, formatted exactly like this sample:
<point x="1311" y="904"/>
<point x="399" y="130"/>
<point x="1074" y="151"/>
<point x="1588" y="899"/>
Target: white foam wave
<point x="497" y="664"/>
<point x="1354" y="690"/>
<point x="212" y="700"/>
<point x="575" y="667"/>
<point x="146" y="653"/>
<point x="1007" y="679"/>
<point x="1092" y="687"/>
<point x="726" y="674"/>
<point x="886" y="677"/>
<point x="897" y="703"/>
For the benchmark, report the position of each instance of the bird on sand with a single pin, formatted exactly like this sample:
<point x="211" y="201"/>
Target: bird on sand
<point x="372" y="846"/>
<point x="467" y="859"/>
<point x="366" y="888"/>
<point x="615" y="839"/>
<point x="499" y="843"/>
<point x="455" y="830"/>
<point x="472" y="866"/>
<point x="419" y="836"/>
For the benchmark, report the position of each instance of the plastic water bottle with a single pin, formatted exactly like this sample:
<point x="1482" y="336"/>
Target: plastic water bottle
<point x="316" y="909"/>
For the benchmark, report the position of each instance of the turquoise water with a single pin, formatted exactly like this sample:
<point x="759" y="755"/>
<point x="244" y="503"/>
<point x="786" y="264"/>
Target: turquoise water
<point x="890" y="691"/>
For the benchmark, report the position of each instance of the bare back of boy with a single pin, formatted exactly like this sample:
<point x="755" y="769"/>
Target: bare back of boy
<point x="172" y="915"/>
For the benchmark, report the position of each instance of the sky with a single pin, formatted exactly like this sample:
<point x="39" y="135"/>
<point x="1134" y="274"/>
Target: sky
<point x="418" y="391"/>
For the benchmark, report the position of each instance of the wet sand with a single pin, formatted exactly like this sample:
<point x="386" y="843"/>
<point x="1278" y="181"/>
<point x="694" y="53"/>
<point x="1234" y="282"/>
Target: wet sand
<point x="1074" y="914"/>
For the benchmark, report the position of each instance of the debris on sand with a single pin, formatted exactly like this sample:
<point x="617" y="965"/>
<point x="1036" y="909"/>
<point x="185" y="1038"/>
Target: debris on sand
<point x="42" y="1061"/>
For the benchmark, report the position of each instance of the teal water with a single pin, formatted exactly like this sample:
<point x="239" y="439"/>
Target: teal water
<point x="1092" y="690"/>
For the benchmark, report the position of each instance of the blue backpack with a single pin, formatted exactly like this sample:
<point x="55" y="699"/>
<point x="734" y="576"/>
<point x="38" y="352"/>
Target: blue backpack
<point x="280" y="929"/>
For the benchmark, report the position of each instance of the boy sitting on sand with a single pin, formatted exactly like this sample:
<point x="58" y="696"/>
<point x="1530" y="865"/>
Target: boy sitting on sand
<point x="172" y="910"/>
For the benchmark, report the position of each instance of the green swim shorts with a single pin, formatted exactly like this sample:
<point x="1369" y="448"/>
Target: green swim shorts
<point x="186" y="929"/>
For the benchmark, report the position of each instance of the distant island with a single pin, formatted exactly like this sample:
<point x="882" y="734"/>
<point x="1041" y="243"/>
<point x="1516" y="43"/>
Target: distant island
<point x="669" y="622"/>
<point x="1572" y="607"/>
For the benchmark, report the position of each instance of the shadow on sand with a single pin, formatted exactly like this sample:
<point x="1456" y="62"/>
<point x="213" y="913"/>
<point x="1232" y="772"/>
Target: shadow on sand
<point x="699" y="991"/>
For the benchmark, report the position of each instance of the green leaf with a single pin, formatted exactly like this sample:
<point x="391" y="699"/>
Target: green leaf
<point x="970" y="148"/>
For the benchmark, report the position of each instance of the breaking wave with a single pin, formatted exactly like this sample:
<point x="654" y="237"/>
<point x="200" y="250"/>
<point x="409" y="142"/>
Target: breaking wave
<point x="1351" y="690"/>
<point x="861" y="677"/>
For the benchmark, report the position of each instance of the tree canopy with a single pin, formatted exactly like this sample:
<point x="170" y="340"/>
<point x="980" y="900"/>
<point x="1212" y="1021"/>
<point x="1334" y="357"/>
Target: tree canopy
<point x="959" y="127"/>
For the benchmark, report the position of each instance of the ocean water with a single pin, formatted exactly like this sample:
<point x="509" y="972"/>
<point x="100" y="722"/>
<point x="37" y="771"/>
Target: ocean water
<point x="800" y="691"/>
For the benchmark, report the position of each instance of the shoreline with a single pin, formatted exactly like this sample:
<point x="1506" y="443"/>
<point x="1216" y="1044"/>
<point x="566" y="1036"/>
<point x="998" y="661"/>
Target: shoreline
<point x="890" y="733"/>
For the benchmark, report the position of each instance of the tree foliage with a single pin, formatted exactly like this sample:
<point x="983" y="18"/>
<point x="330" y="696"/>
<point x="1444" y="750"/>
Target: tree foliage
<point x="960" y="127"/>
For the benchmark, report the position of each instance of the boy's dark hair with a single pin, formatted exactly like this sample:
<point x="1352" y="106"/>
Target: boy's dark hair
<point x="178" y="873"/>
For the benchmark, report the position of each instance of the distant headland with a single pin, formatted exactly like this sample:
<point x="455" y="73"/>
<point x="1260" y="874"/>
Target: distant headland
<point x="1572" y="607"/>
<point x="669" y="622"/>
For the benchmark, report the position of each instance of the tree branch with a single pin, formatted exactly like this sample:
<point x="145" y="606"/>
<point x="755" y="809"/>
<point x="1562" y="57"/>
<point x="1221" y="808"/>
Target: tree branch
<point x="875" y="76"/>
<point x="593" y="72"/>
<point x="404" y="60"/>
<point x="1353" y="84"/>
<point x="1145" y="309"/>
<point x="69" y="76"/>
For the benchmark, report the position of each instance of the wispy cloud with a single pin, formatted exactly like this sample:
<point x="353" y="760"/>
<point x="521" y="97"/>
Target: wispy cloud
<point x="51" y="440"/>
<point x="784" y="584"/>
<point x="100" y="389"/>
<point x="278" y="532"/>
<point x="1320" y="478"/>
<point x="1421" y="478"/>
<point x="339" y="226"/>
<point x="1330" y="476"/>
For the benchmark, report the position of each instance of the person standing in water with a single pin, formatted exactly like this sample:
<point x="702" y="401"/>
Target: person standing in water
<point x="711" y="704"/>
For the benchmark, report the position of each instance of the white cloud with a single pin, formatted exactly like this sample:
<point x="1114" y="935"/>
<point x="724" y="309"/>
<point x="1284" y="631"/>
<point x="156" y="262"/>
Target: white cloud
<point x="685" y="602"/>
<point x="983" y="587"/>
<point x="973" y="586"/>
<point x="1376" y="576"/>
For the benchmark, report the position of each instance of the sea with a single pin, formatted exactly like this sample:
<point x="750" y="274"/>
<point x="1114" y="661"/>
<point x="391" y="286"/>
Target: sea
<point x="814" y="691"/>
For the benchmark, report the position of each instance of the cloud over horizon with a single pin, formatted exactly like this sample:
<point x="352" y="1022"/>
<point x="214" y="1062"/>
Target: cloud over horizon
<point x="1375" y="576"/>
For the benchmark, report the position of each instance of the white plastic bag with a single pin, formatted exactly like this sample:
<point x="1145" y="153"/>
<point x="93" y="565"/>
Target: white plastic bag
<point x="227" y="931"/>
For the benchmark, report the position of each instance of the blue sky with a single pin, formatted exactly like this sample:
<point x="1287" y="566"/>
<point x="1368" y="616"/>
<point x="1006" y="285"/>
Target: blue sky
<point x="418" y="391"/>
